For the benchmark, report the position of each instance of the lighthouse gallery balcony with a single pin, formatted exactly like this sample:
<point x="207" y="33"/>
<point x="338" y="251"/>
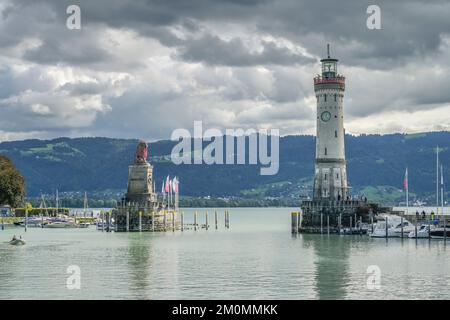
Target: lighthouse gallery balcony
<point x="320" y="81"/>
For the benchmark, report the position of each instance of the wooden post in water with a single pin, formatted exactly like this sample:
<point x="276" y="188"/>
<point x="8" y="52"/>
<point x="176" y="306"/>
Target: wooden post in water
<point x="360" y="225"/>
<point x="401" y="223"/>
<point x="206" y="220"/>
<point x="173" y="221"/>
<point x="340" y="222"/>
<point x="3" y="223"/>
<point x="386" y="227"/>
<point x="26" y="217"/>
<point x="351" y="223"/>
<point x="371" y="223"/>
<point x="294" y="222"/>
<point x="165" y="220"/>
<point x="321" y="223"/>
<point x="328" y="224"/>
<point x="429" y="229"/>
<point x="128" y="219"/>
<point x="226" y="218"/>
<point x="415" y="227"/>
<point x="215" y="218"/>
<point x="153" y="220"/>
<point x="300" y="220"/>
<point x="140" y="221"/>
<point x="182" y="220"/>
<point x="195" y="220"/>
<point x="445" y="229"/>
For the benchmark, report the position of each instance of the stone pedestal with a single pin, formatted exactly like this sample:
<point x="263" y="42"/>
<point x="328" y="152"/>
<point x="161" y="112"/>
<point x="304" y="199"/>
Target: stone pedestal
<point x="140" y="184"/>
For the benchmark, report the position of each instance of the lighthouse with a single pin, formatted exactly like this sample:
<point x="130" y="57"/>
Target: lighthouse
<point x="330" y="178"/>
<point x="331" y="210"/>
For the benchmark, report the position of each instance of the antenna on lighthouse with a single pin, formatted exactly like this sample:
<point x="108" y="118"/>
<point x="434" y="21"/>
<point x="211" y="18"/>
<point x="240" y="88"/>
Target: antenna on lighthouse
<point x="328" y="50"/>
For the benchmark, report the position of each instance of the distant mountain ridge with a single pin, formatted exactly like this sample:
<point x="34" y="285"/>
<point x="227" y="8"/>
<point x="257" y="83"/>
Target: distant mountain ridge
<point x="375" y="163"/>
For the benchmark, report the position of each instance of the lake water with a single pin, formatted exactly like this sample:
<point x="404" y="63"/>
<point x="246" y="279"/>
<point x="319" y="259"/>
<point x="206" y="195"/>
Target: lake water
<point x="257" y="258"/>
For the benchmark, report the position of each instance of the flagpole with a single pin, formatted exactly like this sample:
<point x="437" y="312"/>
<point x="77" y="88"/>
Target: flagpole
<point x="437" y="180"/>
<point x="442" y="190"/>
<point x="407" y="191"/>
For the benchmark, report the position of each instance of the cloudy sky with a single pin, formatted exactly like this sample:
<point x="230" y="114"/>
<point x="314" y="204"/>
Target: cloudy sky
<point x="141" y="68"/>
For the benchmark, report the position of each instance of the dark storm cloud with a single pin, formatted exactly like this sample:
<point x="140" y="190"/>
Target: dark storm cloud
<point x="149" y="65"/>
<point x="410" y="28"/>
<point x="215" y="51"/>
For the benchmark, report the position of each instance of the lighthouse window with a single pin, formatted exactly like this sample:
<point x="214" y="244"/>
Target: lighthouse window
<point x="337" y="175"/>
<point x="325" y="178"/>
<point x="335" y="133"/>
<point x="326" y="151"/>
<point x="325" y="97"/>
<point x="335" y="96"/>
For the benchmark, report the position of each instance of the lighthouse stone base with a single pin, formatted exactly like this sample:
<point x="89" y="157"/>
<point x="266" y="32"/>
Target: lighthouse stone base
<point x="319" y="216"/>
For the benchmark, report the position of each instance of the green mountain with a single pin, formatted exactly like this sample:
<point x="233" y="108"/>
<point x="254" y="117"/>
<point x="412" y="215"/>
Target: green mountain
<point x="376" y="166"/>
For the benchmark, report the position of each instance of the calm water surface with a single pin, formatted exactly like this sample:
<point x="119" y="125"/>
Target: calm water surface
<point x="257" y="258"/>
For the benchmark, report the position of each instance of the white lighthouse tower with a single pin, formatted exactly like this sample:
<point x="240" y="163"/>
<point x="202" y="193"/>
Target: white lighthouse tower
<point x="330" y="180"/>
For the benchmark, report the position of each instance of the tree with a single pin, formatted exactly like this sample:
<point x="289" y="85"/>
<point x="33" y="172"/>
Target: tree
<point x="12" y="183"/>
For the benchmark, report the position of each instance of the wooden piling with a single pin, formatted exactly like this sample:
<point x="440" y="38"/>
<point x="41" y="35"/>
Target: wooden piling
<point x="128" y="220"/>
<point x="195" y="220"/>
<point x="415" y="227"/>
<point x="215" y="218"/>
<point x="386" y="227"/>
<point x="321" y="223"/>
<point x="140" y="221"/>
<point x="173" y="221"/>
<point x="328" y="224"/>
<point x="401" y="223"/>
<point x="340" y="222"/>
<point x="351" y="225"/>
<point x="300" y="220"/>
<point x="360" y="225"/>
<point x="153" y="220"/>
<point x="26" y="217"/>
<point x="294" y="222"/>
<point x="182" y="220"/>
<point x="371" y="223"/>
<point x="429" y="230"/>
<point x="445" y="229"/>
<point x="206" y="220"/>
<point x="165" y="220"/>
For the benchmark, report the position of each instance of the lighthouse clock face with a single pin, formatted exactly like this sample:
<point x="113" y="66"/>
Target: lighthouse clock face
<point x="325" y="116"/>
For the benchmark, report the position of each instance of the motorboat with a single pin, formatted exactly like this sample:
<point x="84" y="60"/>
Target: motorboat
<point x="391" y="227"/>
<point x="60" y="224"/>
<point x="440" y="232"/>
<point x="422" y="232"/>
<point x="31" y="222"/>
<point x="83" y="225"/>
<point x="17" y="242"/>
<point x="407" y="227"/>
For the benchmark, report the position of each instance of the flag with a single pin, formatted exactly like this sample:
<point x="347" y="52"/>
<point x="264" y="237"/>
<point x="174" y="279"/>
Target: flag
<point x="167" y="186"/>
<point x="175" y="185"/>
<point x="162" y="188"/>
<point x="405" y="182"/>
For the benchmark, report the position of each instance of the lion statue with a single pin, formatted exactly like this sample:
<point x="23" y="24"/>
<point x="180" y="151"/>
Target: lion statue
<point x="141" y="153"/>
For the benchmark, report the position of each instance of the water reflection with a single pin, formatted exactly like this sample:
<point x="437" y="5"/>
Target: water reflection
<point x="331" y="262"/>
<point x="140" y="263"/>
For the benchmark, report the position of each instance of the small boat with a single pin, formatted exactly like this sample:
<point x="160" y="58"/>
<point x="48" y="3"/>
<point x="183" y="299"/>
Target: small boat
<point x="17" y="242"/>
<point x="440" y="232"/>
<point x="83" y="225"/>
<point x="393" y="229"/>
<point x="422" y="232"/>
<point x="60" y="224"/>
